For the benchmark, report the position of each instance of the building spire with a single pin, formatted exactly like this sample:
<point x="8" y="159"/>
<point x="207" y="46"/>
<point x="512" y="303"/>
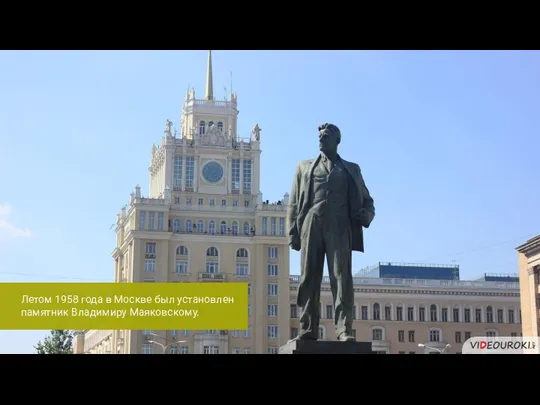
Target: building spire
<point x="209" y="81"/>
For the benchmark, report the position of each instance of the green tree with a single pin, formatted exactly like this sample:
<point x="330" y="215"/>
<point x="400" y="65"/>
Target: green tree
<point x="58" y="342"/>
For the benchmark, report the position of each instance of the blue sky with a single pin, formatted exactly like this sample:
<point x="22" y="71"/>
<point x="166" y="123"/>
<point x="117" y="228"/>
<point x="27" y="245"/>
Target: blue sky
<point x="446" y="140"/>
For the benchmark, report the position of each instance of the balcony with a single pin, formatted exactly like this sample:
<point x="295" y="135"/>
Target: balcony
<point x="215" y="277"/>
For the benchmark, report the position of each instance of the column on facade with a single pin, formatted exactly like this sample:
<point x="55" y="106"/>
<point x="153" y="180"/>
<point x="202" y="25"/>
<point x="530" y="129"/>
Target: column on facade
<point x="533" y="293"/>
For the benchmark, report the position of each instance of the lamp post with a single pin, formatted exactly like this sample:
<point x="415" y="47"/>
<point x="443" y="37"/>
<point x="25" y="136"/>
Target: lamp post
<point x="441" y="351"/>
<point x="165" y="347"/>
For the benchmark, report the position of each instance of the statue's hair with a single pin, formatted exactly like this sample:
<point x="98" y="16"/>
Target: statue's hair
<point x="332" y="129"/>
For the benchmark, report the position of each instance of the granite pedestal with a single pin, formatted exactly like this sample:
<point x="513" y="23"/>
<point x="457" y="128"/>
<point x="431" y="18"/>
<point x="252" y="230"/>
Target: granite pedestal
<point x="325" y="347"/>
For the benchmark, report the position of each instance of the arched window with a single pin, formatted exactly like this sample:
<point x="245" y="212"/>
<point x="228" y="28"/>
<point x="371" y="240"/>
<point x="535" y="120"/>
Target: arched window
<point x="376" y="311"/>
<point x="212" y="260"/>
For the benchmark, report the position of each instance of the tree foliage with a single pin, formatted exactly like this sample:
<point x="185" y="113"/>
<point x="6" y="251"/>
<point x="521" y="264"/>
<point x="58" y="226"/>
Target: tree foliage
<point x="58" y="342"/>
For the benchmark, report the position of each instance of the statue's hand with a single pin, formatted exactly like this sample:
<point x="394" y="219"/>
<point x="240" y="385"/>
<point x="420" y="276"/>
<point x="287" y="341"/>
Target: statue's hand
<point x="295" y="244"/>
<point x="363" y="216"/>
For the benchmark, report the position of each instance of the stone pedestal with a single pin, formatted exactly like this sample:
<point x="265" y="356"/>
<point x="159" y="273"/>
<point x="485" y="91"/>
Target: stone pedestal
<point x="325" y="347"/>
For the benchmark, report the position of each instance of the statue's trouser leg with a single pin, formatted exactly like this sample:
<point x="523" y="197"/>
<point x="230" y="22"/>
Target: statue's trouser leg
<point x="312" y="265"/>
<point x="338" y="243"/>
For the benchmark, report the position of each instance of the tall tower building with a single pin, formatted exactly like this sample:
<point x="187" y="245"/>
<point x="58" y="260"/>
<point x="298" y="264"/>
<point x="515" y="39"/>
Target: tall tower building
<point x="204" y="220"/>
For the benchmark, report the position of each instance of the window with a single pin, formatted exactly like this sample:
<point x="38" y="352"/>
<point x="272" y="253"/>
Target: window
<point x="272" y="289"/>
<point x="511" y="316"/>
<point x="491" y="333"/>
<point x="458" y="337"/>
<point x="294" y="332"/>
<point x="455" y="313"/>
<point x="160" y="221"/>
<point x="150" y="265"/>
<point x="489" y="314"/>
<point x="210" y="349"/>
<point x="433" y="313"/>
<point x="273" y="331"/>
<point x="444" y="315"/>
<point x="181" y="267"/>
<point x="467" y="335"/>
<point x="272" y="252"/>
<point x="272" y="310"/>
<point x="422" y="314"/>
<point x="399" y="313"/>
<point x="376" y="311"/>
<point x="147" y="348"/>
<point x="150" y="250"/>
<point x="247" y="176"/>
<point x="142" y="220"/>
<point x="329" y="312"/>
<point x="478" y="315"/>
<point x="410" y="314"/>
<point x="401" y="335"/>
<point x="242" y="269"/>
<point x="377" y="334"/>
<point x="190" y="172"/>
<point x="388" y="313"/>
<point x="294" y="311"/>
<point x="212" y="257"/>
<point x="411" y="336"/>
<point x="364" y="311"/>
<point x="272" y="270"/>
<point x="434" y="335"/>
<point x="467" y="315"/>
<point x="273" y="350"/>
<point x="235" y="350"/>
<point x="151" y="216"/>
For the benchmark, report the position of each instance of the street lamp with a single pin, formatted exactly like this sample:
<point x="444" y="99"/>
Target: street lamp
<point x="163" y="346"/>
<point x="441" y="351"/>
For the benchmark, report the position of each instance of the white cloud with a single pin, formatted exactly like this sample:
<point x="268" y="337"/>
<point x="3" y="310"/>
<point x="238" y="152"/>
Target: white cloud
<point x="8" y="229"/>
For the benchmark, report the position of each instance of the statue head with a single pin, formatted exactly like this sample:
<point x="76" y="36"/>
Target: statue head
<point x="329" y="138"/>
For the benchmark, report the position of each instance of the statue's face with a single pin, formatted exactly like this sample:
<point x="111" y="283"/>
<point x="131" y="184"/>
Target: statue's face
<point x="327" y="141"/>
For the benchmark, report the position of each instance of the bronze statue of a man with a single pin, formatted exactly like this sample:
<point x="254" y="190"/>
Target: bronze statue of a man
<point x="328" y="206"/>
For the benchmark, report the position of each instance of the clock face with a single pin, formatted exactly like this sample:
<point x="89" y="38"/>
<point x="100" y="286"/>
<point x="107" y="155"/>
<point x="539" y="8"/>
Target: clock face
<point x="212" y="172"/>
